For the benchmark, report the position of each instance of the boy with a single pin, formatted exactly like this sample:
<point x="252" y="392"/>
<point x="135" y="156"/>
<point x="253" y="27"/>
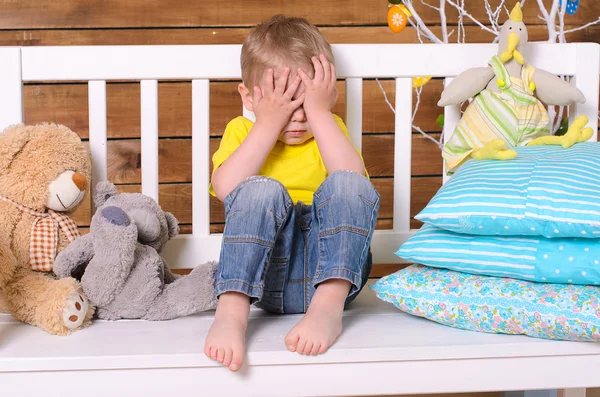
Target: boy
<point x="299" y="211"/>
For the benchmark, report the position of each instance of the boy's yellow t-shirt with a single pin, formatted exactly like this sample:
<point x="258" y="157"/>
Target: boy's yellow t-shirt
<point x="299" y="168"/>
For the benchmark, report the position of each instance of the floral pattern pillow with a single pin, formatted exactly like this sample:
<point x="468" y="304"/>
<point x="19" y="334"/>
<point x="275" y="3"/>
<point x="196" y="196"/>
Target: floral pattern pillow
<point x="494" y="304"/>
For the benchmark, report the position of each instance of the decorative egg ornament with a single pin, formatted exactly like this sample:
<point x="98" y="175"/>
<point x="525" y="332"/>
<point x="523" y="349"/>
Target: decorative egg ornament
<point x="397" y="17"/>
<point x="420" y="81"/>
<point x="572" y="6"/>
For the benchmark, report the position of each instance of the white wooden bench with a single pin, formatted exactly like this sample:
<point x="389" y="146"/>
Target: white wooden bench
<point x="382" y="351"/>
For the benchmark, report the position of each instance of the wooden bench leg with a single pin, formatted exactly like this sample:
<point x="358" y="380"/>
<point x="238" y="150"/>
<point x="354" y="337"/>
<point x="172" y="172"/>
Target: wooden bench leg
<point x="571" y="393"/>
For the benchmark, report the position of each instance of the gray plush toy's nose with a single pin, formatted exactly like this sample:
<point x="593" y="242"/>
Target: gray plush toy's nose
<point x="116" y="216"/>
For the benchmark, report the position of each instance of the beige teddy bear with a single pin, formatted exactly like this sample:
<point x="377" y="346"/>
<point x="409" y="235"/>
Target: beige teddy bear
<point x="44" y="175"/>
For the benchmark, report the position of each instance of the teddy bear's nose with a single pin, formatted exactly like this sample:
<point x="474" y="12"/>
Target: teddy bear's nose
<point x="79" y="181"/>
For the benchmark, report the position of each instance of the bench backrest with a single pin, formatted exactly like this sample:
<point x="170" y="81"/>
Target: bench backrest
<point x="201" y="63"/>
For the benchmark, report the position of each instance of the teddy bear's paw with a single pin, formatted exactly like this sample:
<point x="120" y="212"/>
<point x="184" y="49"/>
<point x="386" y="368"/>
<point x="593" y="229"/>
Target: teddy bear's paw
<point x="75" y="311"/>
<point x="116" y="216"/>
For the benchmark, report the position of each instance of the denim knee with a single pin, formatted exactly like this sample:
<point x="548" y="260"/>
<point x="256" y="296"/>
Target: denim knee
<point x="259" y="193"/>
<point x="347" y="186"/>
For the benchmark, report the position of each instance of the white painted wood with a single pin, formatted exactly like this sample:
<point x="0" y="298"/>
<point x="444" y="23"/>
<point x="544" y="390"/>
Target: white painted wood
<point x="192" y="61"/>
<point x="149" y="120"/>
<point x="381" y="349"/>
<point x="11" y="94"/>
<point x="586" y="70"/>
<point x="354" y="119"/>
<point x="97" y="120"/>
<point x="402" y="154"/>
<point x="200" y="158"/>
<point x="452" y="116"/>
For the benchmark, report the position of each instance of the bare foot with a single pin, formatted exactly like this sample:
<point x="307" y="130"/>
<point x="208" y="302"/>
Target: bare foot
<point x="322" y="323"/>
<point x="225" y="342"/>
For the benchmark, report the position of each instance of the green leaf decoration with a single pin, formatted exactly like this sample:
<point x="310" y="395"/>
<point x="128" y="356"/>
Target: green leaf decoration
<point x="440" y="121"/>
<point x="564" y="127"/>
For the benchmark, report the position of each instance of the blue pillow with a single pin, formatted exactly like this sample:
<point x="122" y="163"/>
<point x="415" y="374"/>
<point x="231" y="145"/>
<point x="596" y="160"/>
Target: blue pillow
<point x="545" y="190"/>
<point x="560" y="260"/>
<point x="494" y="304"/>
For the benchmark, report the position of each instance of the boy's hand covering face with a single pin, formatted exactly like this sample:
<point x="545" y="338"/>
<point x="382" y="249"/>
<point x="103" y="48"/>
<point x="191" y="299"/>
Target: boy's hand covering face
<point x="273" y="102"/>
<point x="321" y="93"/>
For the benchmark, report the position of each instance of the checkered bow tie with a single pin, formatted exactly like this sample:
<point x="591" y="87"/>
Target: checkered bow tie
<point x="44" y="235"/>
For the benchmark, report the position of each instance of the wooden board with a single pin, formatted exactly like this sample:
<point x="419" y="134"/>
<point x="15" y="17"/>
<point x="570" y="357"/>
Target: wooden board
<point x="221" y="35"/>
<point x="63" y="14"/>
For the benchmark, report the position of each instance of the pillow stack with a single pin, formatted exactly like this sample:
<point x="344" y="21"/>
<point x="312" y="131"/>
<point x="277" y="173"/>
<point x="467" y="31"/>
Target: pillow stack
<point x="529" y="225"/>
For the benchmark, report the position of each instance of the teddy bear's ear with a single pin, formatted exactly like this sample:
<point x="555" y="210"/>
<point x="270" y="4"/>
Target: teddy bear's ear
<point x="173" y="224"/>
<point x="12" y="140"/>
<point x="104" y="190"/>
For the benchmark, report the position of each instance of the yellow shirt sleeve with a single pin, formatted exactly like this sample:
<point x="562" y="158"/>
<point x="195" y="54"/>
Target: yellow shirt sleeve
<point x="235" y="133"/>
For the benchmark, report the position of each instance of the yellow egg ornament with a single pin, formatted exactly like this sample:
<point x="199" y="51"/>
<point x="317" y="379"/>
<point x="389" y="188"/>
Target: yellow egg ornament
<point x="420" y="81"/>
<point x="397" y="17"/>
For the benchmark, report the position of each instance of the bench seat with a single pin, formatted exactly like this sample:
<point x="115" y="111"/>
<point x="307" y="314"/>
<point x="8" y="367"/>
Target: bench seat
<point x="382" y="350"/>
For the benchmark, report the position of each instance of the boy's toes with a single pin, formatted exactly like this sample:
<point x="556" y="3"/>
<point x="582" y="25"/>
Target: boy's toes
<point x="228" y="357"/>
<point x="291" y="341"/>
<point x="315" y="350"/>
<point x="220" y="354"/>
<point x="236" y="360"/>
<point x="301" y="345"/>
<point x="308" y="348"/>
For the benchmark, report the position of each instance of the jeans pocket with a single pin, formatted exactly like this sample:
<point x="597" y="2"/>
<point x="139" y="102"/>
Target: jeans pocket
<point x="275" y="276"/>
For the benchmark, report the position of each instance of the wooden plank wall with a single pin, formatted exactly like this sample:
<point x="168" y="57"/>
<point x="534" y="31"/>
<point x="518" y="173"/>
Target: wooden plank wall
<point x="115" y="22"/>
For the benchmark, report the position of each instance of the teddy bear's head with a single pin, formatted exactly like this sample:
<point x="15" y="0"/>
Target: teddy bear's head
<point x="155" y="226"/>
<point x="43" y="166"/>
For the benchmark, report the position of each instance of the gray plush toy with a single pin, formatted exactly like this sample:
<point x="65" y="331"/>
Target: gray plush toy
<point x="119" y="262"/>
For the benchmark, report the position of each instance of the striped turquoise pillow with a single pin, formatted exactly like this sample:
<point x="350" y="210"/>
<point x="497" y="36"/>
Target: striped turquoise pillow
<point x="545" y="190"/>
<point x="559" y="260"/>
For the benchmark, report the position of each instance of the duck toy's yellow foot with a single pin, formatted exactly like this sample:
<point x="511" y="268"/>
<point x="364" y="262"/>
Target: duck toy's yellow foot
<point x="494" y="150"/>
<point x="576" y="133"/>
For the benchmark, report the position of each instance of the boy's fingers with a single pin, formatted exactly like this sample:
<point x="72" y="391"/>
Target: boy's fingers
<point x="333" y="74"/>
<point x="256" y="95"/>
<point x="325" y="65"/>
<point x="267" y="83"/>
<point x="292" y="88"/>
<point x="282" y="82"/>
<point x="304" y="77"/>
<point x="318" y="69"/>
<point x="298" y="102"/>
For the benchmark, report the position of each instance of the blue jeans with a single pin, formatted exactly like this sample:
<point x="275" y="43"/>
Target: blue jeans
<point x="277" y="253"/>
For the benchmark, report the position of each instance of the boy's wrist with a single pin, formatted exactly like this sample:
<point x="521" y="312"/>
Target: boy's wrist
<point x="318" y="114"/>
<point x="267" y="128"/>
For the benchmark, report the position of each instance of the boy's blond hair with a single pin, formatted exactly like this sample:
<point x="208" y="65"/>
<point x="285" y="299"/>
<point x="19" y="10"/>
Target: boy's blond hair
<point x="282" y="40"/>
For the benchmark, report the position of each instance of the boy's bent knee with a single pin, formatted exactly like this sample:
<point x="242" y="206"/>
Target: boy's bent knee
<point x="259" y="191"/>
<point x="348" y="185"/>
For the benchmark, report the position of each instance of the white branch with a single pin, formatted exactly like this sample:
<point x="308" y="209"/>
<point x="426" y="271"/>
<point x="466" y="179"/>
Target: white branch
<point x="561" y="22"/>
<point x="466" y="14"/>
<point x="443" y="21"/>
<point x="587" y="25"/>
<point x="421" y="25"/>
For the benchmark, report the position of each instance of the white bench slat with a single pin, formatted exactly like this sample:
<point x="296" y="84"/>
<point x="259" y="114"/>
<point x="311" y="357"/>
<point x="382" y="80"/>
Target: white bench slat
<point x="11" y="95"/>
<point x="407" y="350"/>
<point x="402" y="154"/>
<point x="200" y="157"/>
<point x="452" y="116"/>
<point x="586" y="70"/>
<point x="97" y="117"/>
<point x="354" y="108"/>
<point x="68" y="63"/>
<point x="149" y="127"/>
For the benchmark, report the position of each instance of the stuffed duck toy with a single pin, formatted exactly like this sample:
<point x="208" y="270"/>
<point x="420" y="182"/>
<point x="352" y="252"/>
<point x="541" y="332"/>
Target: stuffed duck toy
<point x="507" y="108"/>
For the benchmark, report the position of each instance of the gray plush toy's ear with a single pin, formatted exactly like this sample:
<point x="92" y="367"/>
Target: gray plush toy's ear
<point x="104" y="190"/>
<point x="173" y="224"/>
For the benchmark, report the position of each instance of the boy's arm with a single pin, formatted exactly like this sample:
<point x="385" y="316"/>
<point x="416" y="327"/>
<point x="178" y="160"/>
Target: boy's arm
<point x="337" y="151"/>
<point x="272" y="104"/>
